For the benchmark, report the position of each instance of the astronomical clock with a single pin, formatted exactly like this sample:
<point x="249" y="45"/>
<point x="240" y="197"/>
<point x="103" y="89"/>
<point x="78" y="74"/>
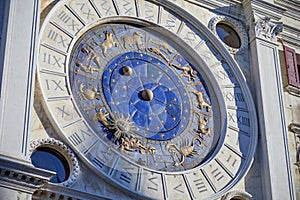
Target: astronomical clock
<point x="147" y="97"/>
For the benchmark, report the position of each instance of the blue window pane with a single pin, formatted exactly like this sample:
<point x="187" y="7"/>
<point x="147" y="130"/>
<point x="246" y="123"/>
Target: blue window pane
<point x="228" y="35"/>
<point x="49" y="159"/>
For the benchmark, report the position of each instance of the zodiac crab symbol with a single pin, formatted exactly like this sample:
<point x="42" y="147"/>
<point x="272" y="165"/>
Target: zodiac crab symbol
<point x="185" y="150"/>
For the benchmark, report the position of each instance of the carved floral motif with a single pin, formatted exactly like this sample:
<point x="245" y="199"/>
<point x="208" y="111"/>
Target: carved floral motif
<point x="265" y="28"/>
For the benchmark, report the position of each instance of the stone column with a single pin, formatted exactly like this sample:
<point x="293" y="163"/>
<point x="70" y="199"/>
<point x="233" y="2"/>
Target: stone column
<point x="268" y="91"/>
<point x="18" y="179"/>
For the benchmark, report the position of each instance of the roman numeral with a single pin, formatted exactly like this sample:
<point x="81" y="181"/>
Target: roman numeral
<point x="54" y="36"/>
<point x="77" y="139"/>
<point x="170" y="22"/>
<point x="200" y="185"/>
<point x="229" y="96"/>
<point x="106" y="7"/>
<point x="190" y="37"/>
<point x="88" y="13"/>
<point x="240" y="119"/>
<point x="64" y="17"/>
<point x="98" y="161"/>
<point x="126" y="175"/>
<point x="217" y="174"/>
<point x="178" y="188"/>
<point x="54" y="84"/>
<point x="63" y="112"/>
<point x="149" y="11"/>
<point x="52" y="60"/>
<point x="222" y="75"/>
<point x="154" y="185"/>
<point x="229" y="159"/>
<point x="128" y="7"/>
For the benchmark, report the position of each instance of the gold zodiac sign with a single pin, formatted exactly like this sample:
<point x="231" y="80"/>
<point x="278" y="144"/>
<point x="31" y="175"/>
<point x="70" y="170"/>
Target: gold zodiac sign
<point x="135" y="39"/>
<point x="134" y="144"/>
<point x="108" y="42"/>
<point x="185" y="150"/>
<point x="187" y="72"/>
<point x="88" y="69"/>
<point x="158" y="52"/>
<point x="162" y="44"/>
<point x="202" y="124"/>
<point x="89" y="93"/>
<point x="102" y="118"/>
<point x="201" y="102"/>
<point x="91" y="56"/>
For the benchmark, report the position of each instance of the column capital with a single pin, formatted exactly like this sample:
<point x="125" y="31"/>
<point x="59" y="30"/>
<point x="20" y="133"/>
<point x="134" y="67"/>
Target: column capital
<point x="262" y="19"/>
<point x="265" y="28"/>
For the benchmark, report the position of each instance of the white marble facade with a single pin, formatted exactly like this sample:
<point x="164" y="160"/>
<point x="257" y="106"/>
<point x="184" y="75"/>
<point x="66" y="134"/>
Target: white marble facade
<point x="249" y="86"/>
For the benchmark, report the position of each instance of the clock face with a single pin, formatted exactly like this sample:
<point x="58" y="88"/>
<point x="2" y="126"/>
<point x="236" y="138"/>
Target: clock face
<point x="147" y="100"/>
<point x="137" y="91"/>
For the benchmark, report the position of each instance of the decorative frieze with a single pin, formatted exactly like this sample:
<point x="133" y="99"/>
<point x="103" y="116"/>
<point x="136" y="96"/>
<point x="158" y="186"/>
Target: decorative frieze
<point x="22" y="177"/>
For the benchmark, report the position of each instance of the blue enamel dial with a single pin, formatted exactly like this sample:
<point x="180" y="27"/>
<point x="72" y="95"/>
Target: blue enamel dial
<point x="160" y="118"/>
<point x="142" y="97"/>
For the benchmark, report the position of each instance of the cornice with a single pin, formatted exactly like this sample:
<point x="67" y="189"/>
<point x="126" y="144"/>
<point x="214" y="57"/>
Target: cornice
<point x="232" y="8"/>
<point x="291" y="35"/>
<point x="267" y="9"/>
<point x="57" y="192"/>
<point x="22" y="176"/>
<point x="292" y="8"/>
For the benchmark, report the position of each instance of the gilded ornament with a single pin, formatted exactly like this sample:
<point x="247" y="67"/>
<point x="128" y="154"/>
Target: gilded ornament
<point x="187" y="70"/>
<point x="135" y="39"/>
<point x="202" y="122"/>
<point x="91" y="56"/>
<point x="201" y="102"/>
<point x="102" y="118"/>
<point x="88" y="69"/>
<point x="108" y="42"/>
<point x="158" y="52"/>
<point x="133" y="144"/>
<point x="89" y="93"/>
<point x="185" y="150"/>
<point x="162" y="44"/>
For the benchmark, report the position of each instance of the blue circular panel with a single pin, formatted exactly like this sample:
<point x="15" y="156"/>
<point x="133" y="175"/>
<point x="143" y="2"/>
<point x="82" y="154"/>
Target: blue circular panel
<point x="159" y="118"/>
<point x="49" y="159"/>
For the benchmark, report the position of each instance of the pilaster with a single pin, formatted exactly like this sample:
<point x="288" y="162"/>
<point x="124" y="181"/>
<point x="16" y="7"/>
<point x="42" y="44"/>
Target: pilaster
<point x="17" y="85"/>
<point x="18" y="178"/>
<point x="268" y="92"/>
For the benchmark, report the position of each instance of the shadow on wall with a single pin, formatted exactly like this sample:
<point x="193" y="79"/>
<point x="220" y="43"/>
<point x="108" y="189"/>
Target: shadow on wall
<point x="46" y="6"/>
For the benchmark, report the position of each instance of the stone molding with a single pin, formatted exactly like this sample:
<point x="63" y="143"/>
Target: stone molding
<point x="65" y="150"/>
<point x="237" y="26"/>
<point x="292" y="8"/>
<point x="291" y="36"/>
<point x="266" y="29"/>
<point x="21" y="176"/>
<point x="57" y="192"/>
<point x="293" y="90"/>
<point x="237" y="194"/>
<point x="230" y="8"/>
